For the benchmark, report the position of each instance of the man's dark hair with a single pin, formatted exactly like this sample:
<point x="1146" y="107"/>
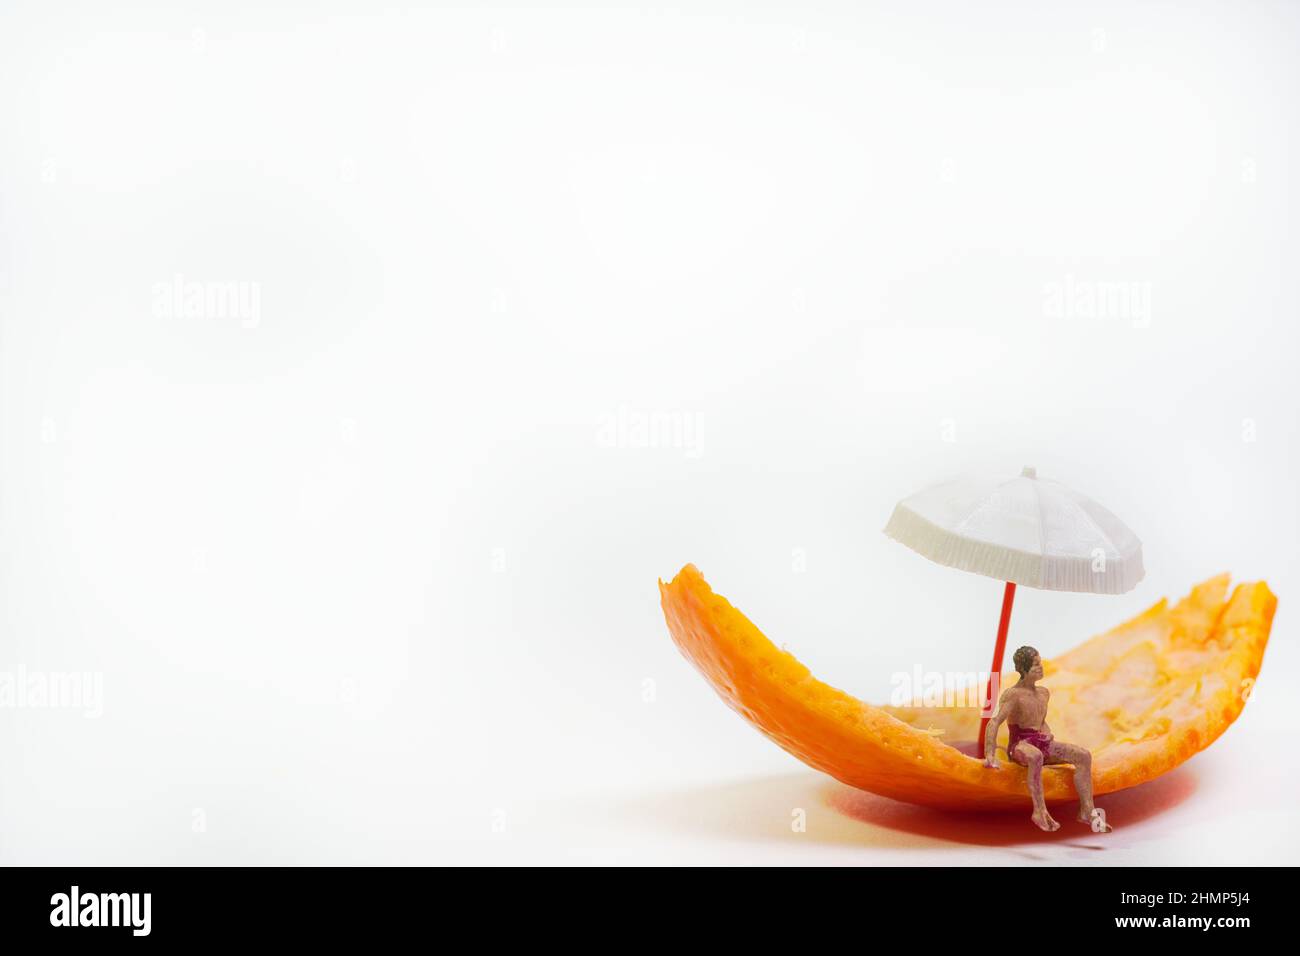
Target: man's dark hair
<point x="1024" y="659"/>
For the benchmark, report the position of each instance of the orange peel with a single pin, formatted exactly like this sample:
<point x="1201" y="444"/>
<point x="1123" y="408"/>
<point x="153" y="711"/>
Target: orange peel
<point x="1143" y="697"/>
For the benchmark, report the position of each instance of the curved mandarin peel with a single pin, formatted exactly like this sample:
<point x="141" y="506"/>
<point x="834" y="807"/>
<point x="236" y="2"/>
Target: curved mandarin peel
<point x="1143" y="697"/>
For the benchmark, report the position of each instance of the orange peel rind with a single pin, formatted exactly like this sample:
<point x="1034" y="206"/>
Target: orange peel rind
<point x="1143" y="697"/>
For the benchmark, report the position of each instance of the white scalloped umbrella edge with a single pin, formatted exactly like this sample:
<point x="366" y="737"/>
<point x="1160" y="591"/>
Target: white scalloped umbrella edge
<point x="1030" y="531"/>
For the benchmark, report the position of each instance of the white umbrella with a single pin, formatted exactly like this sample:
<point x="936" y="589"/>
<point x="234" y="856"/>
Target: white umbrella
<point x="1029" y="531"/>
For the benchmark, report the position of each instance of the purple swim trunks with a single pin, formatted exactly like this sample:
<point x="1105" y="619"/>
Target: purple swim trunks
<point x="1035" y="738"/>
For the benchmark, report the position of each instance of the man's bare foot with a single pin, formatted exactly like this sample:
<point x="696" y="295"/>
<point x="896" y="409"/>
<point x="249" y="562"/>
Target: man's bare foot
<point x="1095" y="818"/>
<point x="1044" y="821"/>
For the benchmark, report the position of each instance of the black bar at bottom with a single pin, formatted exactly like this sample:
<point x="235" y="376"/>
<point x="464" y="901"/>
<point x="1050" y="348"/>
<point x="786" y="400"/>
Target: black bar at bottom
<point x="375" y="905"/>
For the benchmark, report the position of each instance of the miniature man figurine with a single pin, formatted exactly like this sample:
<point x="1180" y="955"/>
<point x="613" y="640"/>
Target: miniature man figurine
<point x="1024" y="707"/>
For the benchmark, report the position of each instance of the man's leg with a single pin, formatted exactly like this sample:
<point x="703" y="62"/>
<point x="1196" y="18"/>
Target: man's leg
<point x="1032" y="758"/>
<point x="1082" y="760"/>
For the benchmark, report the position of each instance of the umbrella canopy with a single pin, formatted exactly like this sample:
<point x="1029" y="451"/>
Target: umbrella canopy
<point x="1029" y="530"/>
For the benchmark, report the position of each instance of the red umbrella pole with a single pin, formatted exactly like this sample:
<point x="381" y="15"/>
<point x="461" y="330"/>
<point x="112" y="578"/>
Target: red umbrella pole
<point x="995" y="672"/>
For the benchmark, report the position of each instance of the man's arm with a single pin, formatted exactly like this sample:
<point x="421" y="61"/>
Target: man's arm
<point x="991" y="733"/>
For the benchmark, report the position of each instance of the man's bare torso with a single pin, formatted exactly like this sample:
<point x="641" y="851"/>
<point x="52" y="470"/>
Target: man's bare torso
<point x="1028" y="707"/>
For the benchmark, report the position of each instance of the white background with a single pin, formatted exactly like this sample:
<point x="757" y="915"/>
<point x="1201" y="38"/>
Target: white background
<point x="372" y="578"/>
